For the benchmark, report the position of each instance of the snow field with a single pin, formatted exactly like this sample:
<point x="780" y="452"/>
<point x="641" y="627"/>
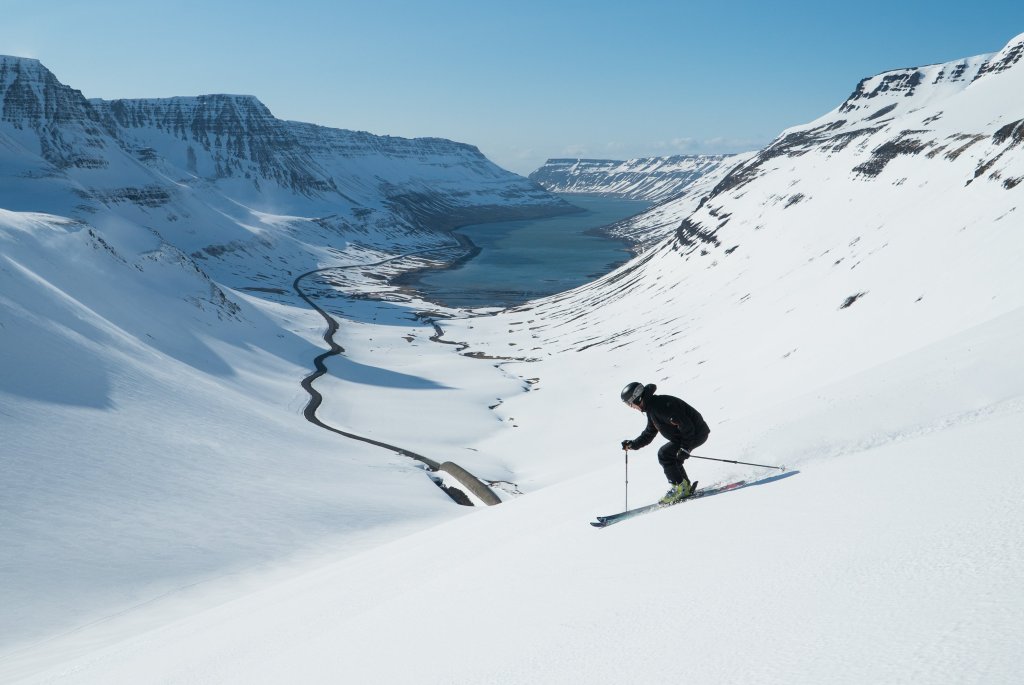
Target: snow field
<point x="151" y="443"/>
<point x="864" y="568"/>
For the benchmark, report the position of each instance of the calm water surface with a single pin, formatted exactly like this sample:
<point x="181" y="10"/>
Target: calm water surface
<point x="523" y="260"/>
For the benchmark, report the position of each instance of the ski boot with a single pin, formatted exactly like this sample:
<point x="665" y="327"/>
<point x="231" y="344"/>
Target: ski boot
<point x="677" y="493"/>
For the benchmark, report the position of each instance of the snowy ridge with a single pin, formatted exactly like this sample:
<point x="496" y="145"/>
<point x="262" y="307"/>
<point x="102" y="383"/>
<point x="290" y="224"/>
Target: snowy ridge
<point x="879" y="95"/>
<point x="224" y="137"/>
<point x="652" y="178"/>
<point x="224" y="150"/>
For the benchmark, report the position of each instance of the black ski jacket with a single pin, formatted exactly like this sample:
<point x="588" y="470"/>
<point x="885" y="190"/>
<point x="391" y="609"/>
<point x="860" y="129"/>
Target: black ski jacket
<point x="677" y="421"/>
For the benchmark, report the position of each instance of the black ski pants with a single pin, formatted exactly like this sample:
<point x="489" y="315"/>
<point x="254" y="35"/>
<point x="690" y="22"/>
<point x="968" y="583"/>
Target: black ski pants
<point x="669" y="458"/>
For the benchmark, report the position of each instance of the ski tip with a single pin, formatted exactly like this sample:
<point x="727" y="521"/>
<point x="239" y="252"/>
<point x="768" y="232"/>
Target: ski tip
<point x="598" y="524"/>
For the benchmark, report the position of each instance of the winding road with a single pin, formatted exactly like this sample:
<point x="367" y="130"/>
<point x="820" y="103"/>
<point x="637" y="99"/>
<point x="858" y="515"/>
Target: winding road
<point x="472" y="483"/>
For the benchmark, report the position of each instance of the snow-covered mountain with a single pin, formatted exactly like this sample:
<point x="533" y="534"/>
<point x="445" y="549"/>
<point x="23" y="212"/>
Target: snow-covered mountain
<point x="886" y="226"/>
<point x="650" y="178"/>
<point x="236" y="138"/>
<point x="194" y="160"/>
<point x="152" y="345"/>
<point x="847" y="301"/>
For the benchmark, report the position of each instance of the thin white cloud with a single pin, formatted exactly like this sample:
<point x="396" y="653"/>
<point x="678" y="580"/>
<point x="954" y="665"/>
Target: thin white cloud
<point x="581" y="151"/>
<point x="717" y="145"/>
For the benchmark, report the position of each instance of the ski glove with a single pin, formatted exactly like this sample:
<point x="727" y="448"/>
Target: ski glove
<point x="682" y="454"/>
<point x="627" y="444"/>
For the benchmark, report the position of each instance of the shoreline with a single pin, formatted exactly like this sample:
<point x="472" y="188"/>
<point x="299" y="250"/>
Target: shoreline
<point x="409" y="282"/>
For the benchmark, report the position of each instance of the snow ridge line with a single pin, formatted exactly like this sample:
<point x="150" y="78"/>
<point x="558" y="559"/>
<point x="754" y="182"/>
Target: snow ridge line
<point x="464" y="477"/>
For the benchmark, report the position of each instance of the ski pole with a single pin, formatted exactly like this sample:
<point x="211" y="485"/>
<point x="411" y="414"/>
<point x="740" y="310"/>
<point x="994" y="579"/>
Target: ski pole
<point x="626" y="452"/>
<point x="745" y="463"/>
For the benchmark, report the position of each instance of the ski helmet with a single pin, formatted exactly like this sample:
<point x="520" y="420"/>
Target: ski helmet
<point x="632" y="392"/>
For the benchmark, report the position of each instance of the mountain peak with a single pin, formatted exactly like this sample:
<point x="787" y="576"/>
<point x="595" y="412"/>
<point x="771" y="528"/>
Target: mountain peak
<point x="69" y="130"/>
<point x="1004" y="59"/>
<point x="8" y="61"/>
<point x="879" y="95"/>
<point x="25" y="71"/>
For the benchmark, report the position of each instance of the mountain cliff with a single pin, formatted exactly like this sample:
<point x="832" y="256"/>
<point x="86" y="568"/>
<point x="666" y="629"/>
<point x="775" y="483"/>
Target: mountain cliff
<point x="48" y="118"/>
<point x="233" y="138"/>
<point x="652" y="178"/>
<point x="176" y="163"/>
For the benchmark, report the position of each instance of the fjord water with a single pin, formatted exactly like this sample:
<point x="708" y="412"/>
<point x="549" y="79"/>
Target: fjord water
<point x="527" y="259"/>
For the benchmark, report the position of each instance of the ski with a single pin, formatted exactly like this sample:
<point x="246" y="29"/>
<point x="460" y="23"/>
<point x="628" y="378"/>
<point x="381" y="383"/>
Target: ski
<point x="605" y="521"/>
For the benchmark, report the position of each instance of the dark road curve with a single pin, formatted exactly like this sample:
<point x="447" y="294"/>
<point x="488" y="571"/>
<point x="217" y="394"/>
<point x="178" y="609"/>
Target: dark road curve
<point x="320" y="366"/>
<point x="473" y="484"/>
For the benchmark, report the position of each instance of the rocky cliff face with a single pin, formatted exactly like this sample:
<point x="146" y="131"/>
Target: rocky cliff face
<point x="215" y="137"/>
<point x="234" y="146"/>
<point x="236" y="138"/>
<point x="433" y="180"/>
<point x="653" y="178"/>
<point x="48" y="118"/>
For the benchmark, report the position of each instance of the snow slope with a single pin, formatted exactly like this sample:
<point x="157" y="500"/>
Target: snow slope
<point x="847" y="301"/>
<point x="151" y="346"/>
<point x="863" y="567"/>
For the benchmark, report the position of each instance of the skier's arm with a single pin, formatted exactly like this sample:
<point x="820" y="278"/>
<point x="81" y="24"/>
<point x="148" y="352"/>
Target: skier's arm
<point x="645" y="438"/>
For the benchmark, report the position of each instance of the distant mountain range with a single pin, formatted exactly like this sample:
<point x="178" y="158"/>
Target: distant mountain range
<point x="208" y="160"/>
<point x="651" y="178"/>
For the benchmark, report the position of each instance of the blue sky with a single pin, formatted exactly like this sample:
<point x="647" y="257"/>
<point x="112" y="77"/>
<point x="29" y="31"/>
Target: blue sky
<point x="523" y="80"/>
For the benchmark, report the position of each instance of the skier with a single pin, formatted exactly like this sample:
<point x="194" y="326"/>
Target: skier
<point x="678" y="422"/>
